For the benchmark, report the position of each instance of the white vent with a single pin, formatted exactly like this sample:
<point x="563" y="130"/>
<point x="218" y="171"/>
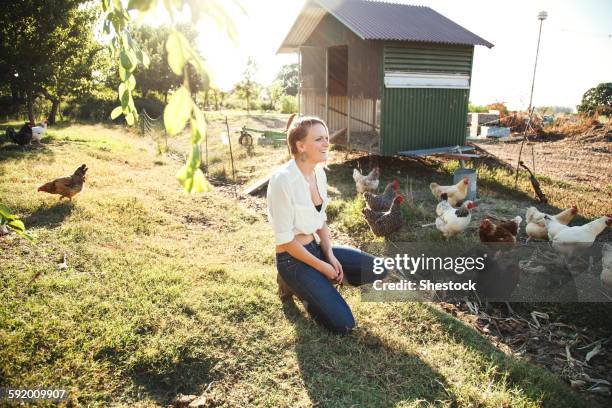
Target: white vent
<point x="426" y="80"/>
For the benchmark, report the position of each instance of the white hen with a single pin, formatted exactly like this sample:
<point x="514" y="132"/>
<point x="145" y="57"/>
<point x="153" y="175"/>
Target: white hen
<point x="581" y="236"/>
<point x="454" y="221"/>
<point x="39" y="131"/>
<point x="536" y="228"/>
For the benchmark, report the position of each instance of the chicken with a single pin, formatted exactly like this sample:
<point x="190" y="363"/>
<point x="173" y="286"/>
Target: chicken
<point x="443" y="205"/>
<point x="583" y="236"/>
<point x="390" y="221"/>
<point x="553" y="227"/>
<point x="366" y="183"/>
<point x="454" y="221"/>
<point x="23" y="137"/>
<point x="504" y="232"/>
<point x="497" y="280"/>
<point x="39" y="131"/>
<point x="382" y="202"/>
<point x="456" y="193"/>
<point x="536" y="228"/>
<point x="66" y="186"/>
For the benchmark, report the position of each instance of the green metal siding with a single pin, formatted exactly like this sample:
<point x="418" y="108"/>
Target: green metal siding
<point x="419" y="118"/>
<point x="428" y="58"/>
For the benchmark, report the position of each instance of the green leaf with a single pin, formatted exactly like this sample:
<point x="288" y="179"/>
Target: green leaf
<point x="126" y="63"/>
<point x="176" y="53"/>
<point x="131" y="82"/>
<point x="4" y="211"/>
<point x="116" y="112"/>
<point x="142" y="5"/>
<point x="124" y="96"/>
<point x="17" y="226"/>
<point x="178" y="111"/>
<point x="129" y="118"/>
<point x="123" y="73"/>
<point x="193" y="180"/>
<point x="146" y="61"/>
<point x="198" y="125"/>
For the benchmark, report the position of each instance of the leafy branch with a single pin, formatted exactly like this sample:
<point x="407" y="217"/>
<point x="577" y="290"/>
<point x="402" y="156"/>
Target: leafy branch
<point x="181" y="109"/>
<point x="10" y="221"/>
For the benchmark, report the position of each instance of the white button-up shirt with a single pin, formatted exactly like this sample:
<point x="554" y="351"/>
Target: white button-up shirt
<point x="290" y="207"/>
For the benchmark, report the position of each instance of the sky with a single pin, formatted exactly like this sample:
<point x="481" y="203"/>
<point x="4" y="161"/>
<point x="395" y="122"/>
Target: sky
<point x="575" y="49"/>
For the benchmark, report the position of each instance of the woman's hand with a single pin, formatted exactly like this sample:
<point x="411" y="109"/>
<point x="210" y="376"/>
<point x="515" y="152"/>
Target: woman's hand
<point x="328" y="271"/>
<point x="337" y="267"/>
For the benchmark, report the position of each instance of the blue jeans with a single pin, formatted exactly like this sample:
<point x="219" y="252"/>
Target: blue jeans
<point x="322" y="300"/>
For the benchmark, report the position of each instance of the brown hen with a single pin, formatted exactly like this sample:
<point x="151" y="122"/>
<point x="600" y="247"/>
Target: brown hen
<point x="66" y="186"/>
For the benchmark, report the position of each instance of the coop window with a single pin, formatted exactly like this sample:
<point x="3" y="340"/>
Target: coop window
<point x="426" y="80"/>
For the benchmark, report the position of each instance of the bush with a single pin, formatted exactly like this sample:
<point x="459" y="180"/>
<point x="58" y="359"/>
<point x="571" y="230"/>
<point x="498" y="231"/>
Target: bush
<point x="154" y="107"/>
<point x="96" y="109"/>
<point x="477" y="108"/>
<point x="597" y="100"/>
<point x="288" y="104"/>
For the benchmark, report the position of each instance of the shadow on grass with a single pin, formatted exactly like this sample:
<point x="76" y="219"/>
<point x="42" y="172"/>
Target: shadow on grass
<point x="163" y="381"/>
<point x="360" y="369"/>
<point x="535" y="382"/>
<point x="50" y="217"/>
<point x="11" y="151"/>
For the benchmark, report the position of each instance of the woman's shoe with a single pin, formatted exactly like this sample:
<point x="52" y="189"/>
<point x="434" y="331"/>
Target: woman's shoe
<point x="284" y="291"/>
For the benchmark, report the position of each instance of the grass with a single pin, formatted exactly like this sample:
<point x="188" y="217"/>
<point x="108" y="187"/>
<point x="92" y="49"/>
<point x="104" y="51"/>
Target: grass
<point x="169" y="293"/>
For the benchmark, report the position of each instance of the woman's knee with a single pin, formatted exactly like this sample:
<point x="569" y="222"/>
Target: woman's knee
<point x="343" y="324"/>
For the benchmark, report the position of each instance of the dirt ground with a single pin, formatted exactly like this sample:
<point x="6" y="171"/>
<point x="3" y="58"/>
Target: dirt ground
<point x="582" y="160"/>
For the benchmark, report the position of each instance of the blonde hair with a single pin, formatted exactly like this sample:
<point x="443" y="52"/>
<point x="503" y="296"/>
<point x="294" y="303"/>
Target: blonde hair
<point x="298" y="129"/>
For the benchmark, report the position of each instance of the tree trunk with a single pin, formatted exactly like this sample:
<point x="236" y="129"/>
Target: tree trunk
<point x="54" y="108"/>
<point x="29" y="97"/>
<point x="15" y="92"/>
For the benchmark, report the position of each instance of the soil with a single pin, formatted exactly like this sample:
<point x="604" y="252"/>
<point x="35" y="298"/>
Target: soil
<point x="585" y="158"/>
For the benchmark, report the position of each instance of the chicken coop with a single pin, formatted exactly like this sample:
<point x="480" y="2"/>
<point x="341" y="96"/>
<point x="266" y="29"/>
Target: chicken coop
<point x="387" y="78"/>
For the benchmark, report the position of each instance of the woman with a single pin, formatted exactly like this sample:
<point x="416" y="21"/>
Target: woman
<point x="308" y="265"/>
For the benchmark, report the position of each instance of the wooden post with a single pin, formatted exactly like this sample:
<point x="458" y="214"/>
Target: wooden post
<point x="327" y="86"/>
<point x="229" y="142"/>
<point x="299" y="86"/>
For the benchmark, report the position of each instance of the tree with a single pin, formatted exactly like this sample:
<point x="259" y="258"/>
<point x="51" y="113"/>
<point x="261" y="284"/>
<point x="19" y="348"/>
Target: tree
<point x="275" y="93"/>
<point x="289" y="78"/>
<point x="248" y="88"/>
<point x="158" y="77"/>
<point x="181" y="108"/>
<point x="597" y="100"/>
<point x="499" y="106"/>
<point x="45" y="52"/>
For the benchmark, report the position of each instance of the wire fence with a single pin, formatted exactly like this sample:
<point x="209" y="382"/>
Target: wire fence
<point x="155" y="129"/>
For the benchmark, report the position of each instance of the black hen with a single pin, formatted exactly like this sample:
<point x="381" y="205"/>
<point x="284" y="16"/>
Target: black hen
<point x="23" y="137"/>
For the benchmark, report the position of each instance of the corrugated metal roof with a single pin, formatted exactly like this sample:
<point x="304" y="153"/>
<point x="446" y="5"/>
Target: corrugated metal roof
<point x="376" y="20"/>
<point x="308" y="19"/>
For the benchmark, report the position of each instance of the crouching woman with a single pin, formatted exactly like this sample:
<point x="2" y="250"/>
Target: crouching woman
<point x="307" y="263"/>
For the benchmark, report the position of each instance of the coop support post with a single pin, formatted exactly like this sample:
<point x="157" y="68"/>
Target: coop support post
<point x="299" y="85"/>
<point x="327" y="85"/>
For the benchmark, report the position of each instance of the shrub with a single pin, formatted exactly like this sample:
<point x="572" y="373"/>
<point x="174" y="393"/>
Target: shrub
<point x="597" y="100"/>
<point x="477" y="108"/>
<point x="97" y="109"/>
<point x="288" y="104"/>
